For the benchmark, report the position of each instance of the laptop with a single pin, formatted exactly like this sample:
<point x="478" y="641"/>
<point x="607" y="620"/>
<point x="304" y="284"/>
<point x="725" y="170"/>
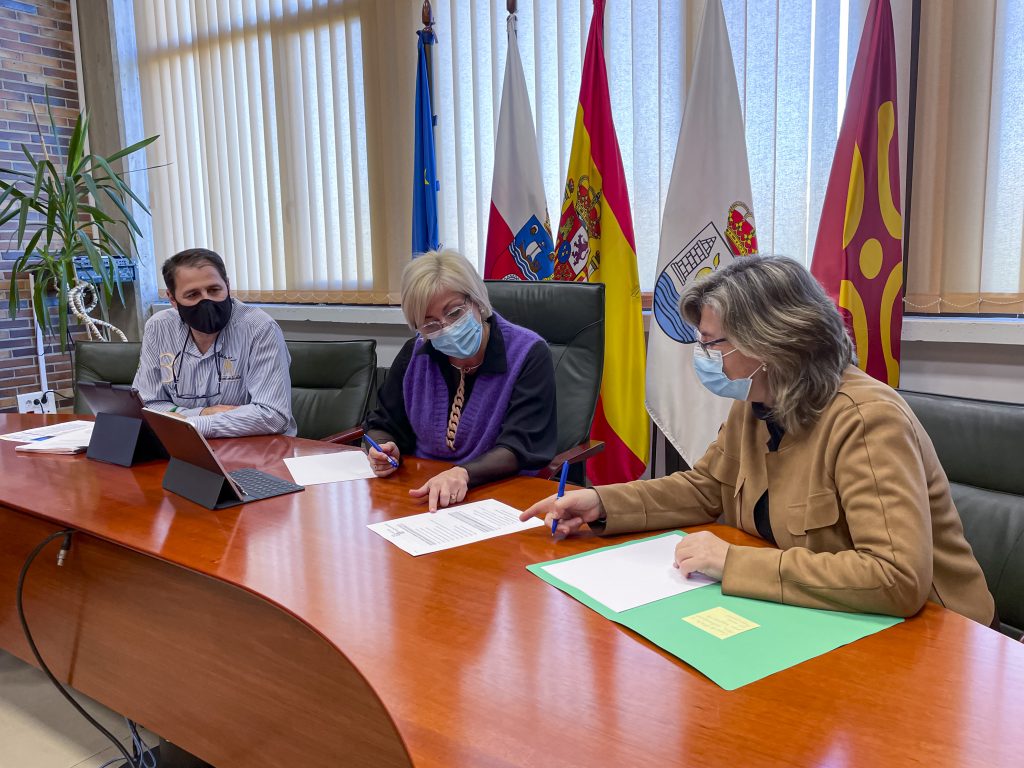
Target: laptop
<point x="196" y="473"/>
<point x="104" y="397"/>
<point x="120" y="436"/>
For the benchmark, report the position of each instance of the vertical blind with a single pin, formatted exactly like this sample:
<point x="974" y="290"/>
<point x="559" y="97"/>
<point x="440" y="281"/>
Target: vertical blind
<point x="261" y="111"/>
<point x="967" y="221"/>
<point x="287" y="126"/>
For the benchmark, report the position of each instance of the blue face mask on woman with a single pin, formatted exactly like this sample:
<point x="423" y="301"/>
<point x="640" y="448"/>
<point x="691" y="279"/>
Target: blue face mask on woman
<point x="460" y="339"/>
<point x="709" y="367"/>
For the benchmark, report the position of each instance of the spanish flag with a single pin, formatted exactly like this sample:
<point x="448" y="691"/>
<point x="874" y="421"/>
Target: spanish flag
<point x="595" y="243"/>
<point x="858" y="254"/>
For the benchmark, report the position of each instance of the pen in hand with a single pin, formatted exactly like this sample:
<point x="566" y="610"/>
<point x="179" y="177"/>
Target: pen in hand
<point x="561" y="493"/>
<point x="373" y="442"/>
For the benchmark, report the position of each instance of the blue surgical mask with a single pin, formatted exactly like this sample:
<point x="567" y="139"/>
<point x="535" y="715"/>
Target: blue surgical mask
<point x="461" y="339"/>
<point x="708" y="365"/>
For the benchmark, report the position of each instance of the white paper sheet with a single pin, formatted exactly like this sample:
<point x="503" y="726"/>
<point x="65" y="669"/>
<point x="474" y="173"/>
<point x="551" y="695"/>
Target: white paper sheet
<point x="628" y="576"/>
<point x="329" y="467"/>
<point x="68" y="441"/>
<point x="453" y="526"/>
<point x="43" y="433"/>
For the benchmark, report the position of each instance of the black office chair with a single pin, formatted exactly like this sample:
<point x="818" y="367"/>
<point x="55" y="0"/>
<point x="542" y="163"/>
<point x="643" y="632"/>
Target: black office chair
<point x="331" y="386"/>
<point x="570" y="318"/>
<point x="978" y="445"/>
<point x="113" y="361"/>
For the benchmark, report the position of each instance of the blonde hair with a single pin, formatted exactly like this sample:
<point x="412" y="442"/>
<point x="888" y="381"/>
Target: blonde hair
<point x="437" y="271"/>
<point x="772" y="309"/>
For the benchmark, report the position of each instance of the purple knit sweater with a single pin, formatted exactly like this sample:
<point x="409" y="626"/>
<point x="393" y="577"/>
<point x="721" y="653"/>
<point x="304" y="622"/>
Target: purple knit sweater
<point x="426" y="400"/>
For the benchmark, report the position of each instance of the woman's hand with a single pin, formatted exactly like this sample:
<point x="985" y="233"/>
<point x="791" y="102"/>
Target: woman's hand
<point x="702" y="552"/>
<point x="379" y="461"/>
<point x="444" y="489"/>
<point x="572" y="510"/>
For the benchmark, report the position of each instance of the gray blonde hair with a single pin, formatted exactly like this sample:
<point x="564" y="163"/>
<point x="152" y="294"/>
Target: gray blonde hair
<point x="772" y="309"/>
<point x="437" y="271"/>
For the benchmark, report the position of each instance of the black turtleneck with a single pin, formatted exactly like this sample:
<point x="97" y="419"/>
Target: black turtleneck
<point x="761" y="520"/>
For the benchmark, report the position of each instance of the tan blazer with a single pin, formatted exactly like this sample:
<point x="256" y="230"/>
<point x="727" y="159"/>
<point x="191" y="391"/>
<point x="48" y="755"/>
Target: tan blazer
<point x="859" y="506"/>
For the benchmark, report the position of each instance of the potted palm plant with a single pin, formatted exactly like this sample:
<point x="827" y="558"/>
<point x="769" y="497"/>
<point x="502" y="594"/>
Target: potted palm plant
<point x="56" y="203"/>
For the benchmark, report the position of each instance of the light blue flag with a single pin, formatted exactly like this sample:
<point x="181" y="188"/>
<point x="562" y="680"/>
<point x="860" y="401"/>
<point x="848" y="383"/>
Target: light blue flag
<point x="424" y="183"/>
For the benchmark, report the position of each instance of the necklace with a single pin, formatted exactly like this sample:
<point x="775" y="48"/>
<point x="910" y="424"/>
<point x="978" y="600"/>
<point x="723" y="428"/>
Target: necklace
<point x="466" y="370"/>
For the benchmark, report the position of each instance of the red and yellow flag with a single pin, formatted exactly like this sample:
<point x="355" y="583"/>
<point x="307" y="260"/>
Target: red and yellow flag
<point x="595" y="243"/>
<point x="858" y="254"/>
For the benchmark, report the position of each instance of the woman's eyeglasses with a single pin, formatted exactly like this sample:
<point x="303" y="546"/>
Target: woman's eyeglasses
<point x="705" y="346"/>
<point x="432" y="328"/>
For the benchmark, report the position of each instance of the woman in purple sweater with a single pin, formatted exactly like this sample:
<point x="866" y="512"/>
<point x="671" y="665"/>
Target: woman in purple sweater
<point x="470" y="389"/>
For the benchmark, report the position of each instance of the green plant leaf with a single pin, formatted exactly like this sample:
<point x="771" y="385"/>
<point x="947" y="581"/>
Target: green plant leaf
<point x="31" y="159"/>
<point x="38" y="183"/>
<point x="38" y="303"/>
<point x="15" y="172"/>
<point x="13" y="296"/>
<point x="23" y="219"/>
<point x="95" y="258"/>
<point x="132" y="149"/>
<point x="14" y="191"/>
<point x="76" y="143"/>
<point x="62" y="301"/>
<point x="95" y="212"/>
<point x="51" y="222"/>
<point x="128" y="219"/>
<point x="49" y="112"/>
<point x="31" y="247"/>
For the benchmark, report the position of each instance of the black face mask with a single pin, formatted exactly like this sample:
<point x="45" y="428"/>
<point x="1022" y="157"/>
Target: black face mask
<point x="208" y="316"/>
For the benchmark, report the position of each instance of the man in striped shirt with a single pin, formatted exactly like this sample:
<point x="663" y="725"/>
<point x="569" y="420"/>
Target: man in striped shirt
<point x="213" y="360"/>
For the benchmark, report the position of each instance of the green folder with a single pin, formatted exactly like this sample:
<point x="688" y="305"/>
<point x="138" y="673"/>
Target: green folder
<point x="785" y="636"/>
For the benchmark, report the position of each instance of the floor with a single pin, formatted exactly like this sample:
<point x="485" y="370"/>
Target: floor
<point x="39" y="729"/>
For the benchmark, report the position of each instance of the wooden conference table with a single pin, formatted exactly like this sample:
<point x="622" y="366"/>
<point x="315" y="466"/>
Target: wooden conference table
<point x="284" y="633"/>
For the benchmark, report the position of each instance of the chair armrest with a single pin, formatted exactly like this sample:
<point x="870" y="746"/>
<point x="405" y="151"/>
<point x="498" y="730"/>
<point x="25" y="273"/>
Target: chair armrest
<point x="348" y="436"/>
<point x="574" y="455"/>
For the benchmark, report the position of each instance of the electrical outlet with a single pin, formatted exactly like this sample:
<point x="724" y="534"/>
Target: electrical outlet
<point x="32" y="402"/>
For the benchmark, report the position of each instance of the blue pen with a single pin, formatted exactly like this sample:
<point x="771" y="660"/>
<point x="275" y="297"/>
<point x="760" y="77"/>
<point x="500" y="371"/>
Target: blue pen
<point x="373" y="442"/>
<point x="561" y="492"/>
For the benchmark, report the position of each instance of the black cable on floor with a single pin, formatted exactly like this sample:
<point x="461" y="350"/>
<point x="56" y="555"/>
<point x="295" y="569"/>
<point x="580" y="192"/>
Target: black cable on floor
<point x="131" y="762"/>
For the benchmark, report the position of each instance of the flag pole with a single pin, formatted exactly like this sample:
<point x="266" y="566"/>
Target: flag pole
<point x="427" y="16"/>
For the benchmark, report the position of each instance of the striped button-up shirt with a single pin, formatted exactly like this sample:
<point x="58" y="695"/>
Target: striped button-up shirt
<point x="247" y="366"/>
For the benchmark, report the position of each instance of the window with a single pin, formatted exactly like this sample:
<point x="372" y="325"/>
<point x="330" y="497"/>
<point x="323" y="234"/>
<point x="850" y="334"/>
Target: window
<point x="288" y="129"/>
<point x="261" y="111"/>
<point x="967" y="217"/>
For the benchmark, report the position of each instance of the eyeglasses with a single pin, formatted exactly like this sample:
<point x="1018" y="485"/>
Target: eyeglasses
<point x="432" y="328"/>
<point x="704" y="345"/>
<point x="180" y="359"/>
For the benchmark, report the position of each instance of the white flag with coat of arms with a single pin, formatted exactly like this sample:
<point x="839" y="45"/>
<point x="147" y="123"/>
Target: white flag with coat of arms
<point x="708" y="221"/>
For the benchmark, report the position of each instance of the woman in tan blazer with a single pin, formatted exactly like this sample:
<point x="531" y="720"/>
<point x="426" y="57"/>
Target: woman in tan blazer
<point x="815" y="456"/>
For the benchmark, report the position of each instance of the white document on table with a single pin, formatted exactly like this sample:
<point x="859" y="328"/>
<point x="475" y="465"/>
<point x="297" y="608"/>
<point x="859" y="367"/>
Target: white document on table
<point x="68" y="441"/>
<point x="329" y="467"/>
<point x="43" y="433"/>
<point x="625" y="577"/>
<point x="453" y="527"/>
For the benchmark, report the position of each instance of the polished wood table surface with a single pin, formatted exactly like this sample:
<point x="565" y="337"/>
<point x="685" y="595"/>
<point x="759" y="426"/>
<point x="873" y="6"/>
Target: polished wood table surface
<point x="284" y="632"/>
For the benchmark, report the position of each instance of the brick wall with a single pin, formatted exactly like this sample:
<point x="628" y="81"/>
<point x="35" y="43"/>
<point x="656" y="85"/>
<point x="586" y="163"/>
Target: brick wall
<point x="36" y="50"/>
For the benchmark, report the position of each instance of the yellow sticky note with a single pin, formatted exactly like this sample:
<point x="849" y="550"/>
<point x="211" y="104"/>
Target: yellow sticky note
<point x="720" y="622"/>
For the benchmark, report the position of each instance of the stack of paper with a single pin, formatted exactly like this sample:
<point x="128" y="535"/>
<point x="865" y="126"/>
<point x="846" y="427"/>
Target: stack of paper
<point x="67" y="437"/>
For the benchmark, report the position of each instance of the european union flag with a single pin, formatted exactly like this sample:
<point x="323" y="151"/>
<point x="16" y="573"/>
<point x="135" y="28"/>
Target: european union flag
<point x="424" y="183"/>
